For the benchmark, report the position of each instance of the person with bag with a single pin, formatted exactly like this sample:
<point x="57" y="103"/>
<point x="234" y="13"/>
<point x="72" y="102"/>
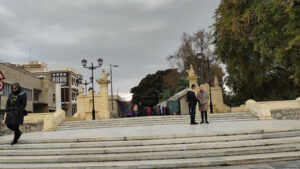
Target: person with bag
<point x="15" y="110"/>
<point x="203" y="106"/>
<point x="192" y="102"/>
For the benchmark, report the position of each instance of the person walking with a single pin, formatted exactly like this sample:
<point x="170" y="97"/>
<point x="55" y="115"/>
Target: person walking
<point x="148" y="111"/>
<point x="192" y="101"/>
<point x="203" y="106"/>
<point x="15" y="109"/>
<point x="141" y="109"/>
<point x="135" y="110"/>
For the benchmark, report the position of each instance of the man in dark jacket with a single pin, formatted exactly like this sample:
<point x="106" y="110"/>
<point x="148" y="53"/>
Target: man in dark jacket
<point x="192" y="101"/>
<point x="15" y="108"/>
<point x="141" y="109"/>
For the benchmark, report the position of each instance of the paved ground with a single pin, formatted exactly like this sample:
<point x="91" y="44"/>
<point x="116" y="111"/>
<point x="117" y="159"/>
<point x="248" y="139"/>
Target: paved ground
<point x="274" y="165"/>
<point x="219" y="127"/>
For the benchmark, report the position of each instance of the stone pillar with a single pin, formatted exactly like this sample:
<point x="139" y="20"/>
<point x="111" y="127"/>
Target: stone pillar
<point x="193" y="79"/>
<point x="58" y="96"/>
<point x="104" y="111"/>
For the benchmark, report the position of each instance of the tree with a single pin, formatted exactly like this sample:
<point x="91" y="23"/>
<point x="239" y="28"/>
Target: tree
<point x="186" y="55"/>
<point x="259" y="41"/>
<point x="165" y="82"/>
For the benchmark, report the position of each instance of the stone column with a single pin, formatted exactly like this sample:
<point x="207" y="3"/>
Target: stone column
<point x="58" y="96"/>
<point x="193" y="79"/>
<point x="104" y="110"/>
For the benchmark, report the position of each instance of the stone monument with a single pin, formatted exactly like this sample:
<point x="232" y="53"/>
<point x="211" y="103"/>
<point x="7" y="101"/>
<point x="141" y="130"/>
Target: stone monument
<point x="216" y="92"/>
<point x="85" y="102"/>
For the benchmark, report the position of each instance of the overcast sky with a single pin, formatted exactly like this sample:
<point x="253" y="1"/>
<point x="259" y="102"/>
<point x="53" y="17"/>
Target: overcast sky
<point x="137" y="35"/>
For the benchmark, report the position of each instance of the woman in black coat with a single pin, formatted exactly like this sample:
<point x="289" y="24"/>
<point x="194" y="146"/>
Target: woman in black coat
<point x="15" y="108"/>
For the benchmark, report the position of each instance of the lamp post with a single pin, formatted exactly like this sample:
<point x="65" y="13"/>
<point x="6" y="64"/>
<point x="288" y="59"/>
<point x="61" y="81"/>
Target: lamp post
<point x="208" y="66"/>
<point x="92" y="68"/>
<point x="211" y="105"/>
<point x="111" y="86"/>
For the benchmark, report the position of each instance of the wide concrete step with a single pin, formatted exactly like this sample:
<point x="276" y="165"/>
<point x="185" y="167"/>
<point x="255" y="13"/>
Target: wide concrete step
<point x="157" y="145"/>
<point x="165" y="139"/>
<point x="94" y="156"/>
<point x="223" y="115"/>
<point x="167" y="163"/>
<point x="104" y="125"/>
<point x="148" y="120"/>
<point x="152" y="120"/>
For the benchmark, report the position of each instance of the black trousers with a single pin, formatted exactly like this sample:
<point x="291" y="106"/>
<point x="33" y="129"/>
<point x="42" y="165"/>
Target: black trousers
<point x="204" y="116"/>
<point x="193" y="112"/>
<point x="15" y="128"/>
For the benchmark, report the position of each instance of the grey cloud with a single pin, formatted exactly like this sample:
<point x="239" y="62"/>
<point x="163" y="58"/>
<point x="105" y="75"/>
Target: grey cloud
<point x="138" y="35"/>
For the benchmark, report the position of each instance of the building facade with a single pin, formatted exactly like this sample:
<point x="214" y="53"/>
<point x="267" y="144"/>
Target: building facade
<point x="115" y="110"/>
<point x="41" y="92"/>
<point x="67" y="77"/>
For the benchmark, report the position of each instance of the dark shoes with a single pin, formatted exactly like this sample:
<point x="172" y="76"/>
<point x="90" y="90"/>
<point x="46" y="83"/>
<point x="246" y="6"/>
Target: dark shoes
<point x="17" y="137"/>
<point x="14" y="142"/>
<point x="194" y="123"/>
<point x="204" y="122"/>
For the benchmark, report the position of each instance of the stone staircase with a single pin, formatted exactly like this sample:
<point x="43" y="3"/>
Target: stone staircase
<point x="230" y="139"/>
<point x="199" y="150"/>
<point x="153" y="120"/>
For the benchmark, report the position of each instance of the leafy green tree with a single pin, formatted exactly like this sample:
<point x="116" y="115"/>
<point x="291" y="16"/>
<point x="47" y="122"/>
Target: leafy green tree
<point x="259" y="41"/>
<point x="164" y="82"/>
<point x="182" y="84"/>
<point x="166" y="94"/>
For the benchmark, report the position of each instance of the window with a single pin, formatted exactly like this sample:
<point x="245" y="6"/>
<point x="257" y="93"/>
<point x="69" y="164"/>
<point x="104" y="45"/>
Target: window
<point x="65" y="95"/>
<point x="54" y="98"/>
<point x="59" y="77"/>
<point x="28" y="93"/>
<point x="7" y="91"/>
<point x="35" y="95"/>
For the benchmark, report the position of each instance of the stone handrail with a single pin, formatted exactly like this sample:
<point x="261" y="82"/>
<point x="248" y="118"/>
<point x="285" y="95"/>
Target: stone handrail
<point x="263" y="109"/>
<point x="52" y="121"/>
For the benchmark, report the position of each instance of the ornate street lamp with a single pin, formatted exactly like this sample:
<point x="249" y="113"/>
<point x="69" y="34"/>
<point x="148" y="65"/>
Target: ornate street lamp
<point x="92" y="68"/>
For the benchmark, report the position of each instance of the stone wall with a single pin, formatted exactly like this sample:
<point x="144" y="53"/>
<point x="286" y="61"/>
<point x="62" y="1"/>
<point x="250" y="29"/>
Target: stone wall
<point x="29" y="81"/>
<point x="286" y="114"/>
<point x="85" y="102"/>
<point x="37" y="122"/>
<point x="216" y="95"/>
<point x="26" y="127"/>
<point x="286" y="109"/>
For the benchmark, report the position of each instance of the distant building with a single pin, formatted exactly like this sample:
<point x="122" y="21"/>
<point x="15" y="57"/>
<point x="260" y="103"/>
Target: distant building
<point x="115" y="113"/>
<point x="67" y="77"/>
<point x="41" y="92"/>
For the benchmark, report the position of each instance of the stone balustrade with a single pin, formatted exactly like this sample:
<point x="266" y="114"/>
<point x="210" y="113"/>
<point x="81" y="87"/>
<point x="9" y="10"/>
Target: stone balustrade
<point x="38" y="122"/>
<point x="263" y="110"/>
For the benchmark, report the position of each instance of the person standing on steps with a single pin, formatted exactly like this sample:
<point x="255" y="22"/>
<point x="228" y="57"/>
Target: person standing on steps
<point x="203" y="106"/>
<point x="15" y="110"/>
<point x="192" y="101"/>
<point x="141" y="111"/>
<point x="135" y="110"/>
